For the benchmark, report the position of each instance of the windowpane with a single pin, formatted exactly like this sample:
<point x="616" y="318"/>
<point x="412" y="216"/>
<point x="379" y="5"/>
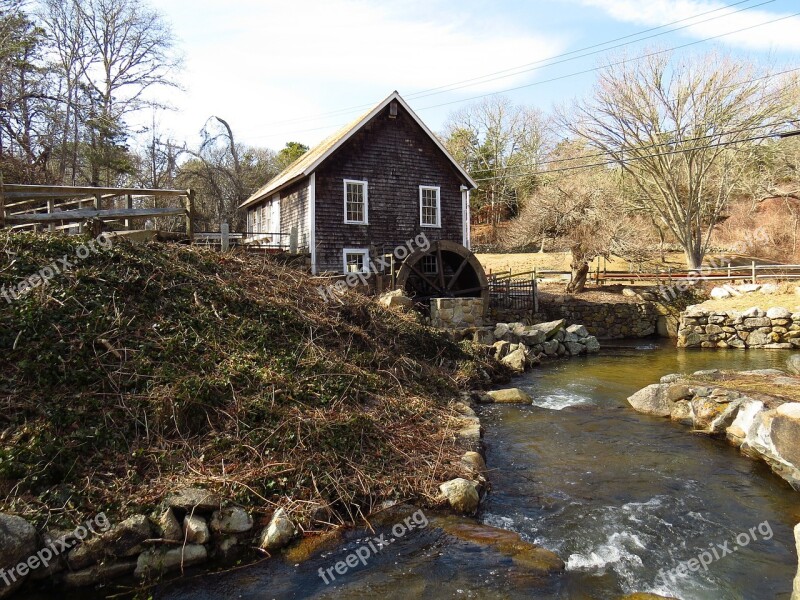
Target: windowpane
<point x="355" y="202"/>
<point x="429" y="198"/>
<point x="355" y="262"/>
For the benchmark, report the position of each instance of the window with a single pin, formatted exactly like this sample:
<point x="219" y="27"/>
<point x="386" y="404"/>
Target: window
<point x="429" y="207"/>
<point x="429" y="265"/>
<point x="355" y="202"/>
<point x="356" y="260"/>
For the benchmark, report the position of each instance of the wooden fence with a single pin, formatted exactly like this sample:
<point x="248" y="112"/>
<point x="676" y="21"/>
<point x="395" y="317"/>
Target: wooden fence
<point x="753" y="273"/>
<point x="57" y="207"/>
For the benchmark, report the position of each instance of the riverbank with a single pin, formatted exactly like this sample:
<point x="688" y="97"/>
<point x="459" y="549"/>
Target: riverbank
<point x="756" y="411"/>
<point x="141" y="371"/>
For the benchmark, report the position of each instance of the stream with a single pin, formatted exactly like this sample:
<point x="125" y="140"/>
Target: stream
<point x="618" y="495"/>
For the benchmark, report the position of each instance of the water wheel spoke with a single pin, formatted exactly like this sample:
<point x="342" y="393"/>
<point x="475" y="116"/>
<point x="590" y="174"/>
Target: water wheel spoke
<point x="455" y="276"/>
<point x="425" y="278"/>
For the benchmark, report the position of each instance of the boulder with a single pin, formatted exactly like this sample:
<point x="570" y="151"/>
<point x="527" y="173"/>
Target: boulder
<point x="98" y="574"/>
<point x="475" y="463"/>
<point x="592" y="345"/>
<point x="748" y="288"/>
<point x="500" y="330"/>
<point x="679" y="391"/>
<point x="785" y="433"/>
<point x="461" y="494"/>
<point x="682" y="412"/>
<point x="483" y="335"/>
<point x="509" y="396"/>
<point x="550" y="347"/>
<point x="551" y="328"/>
<point x="793" y="364"/>
<point x="195" y="529"/>
<point x="516" y="360"/>
<point x="396" y="299"/>
<point x="719" y="293"/>
<point x="194" y="499"/>
<point x="769" y="288"/>
<point x="501" y="349"/>
<point x="629" y="293"/>
<point x="533" y="337"/>
<point x="122" y="540"/>
<point x="758" y="338"/>
<point x="231" y="520"/>
<point x="169" y="527"/>
<point x="739" y="429"/>
<point x="574" y="348"/>
<point x="278" y="533"/>
<point x="778" y="312"/>
<point x="753" y="312"/>
<point x="160" y="560"/>
<point x="524" y="555"/>
<point x="18" y="543"/>
<point x="652" y="400"/>
<point x="578" y="330"/>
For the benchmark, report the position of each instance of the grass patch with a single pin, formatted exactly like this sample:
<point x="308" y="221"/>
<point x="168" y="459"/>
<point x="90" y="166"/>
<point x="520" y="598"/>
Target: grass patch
<point x="149" y="367"/>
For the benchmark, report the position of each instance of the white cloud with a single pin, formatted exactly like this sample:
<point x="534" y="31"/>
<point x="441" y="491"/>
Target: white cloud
<point x="256" y="62"/>
<point x="780" y="36"/>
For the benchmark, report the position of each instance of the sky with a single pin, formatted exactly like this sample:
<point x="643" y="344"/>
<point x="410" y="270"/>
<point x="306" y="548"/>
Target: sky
<point x="282" y="71"/>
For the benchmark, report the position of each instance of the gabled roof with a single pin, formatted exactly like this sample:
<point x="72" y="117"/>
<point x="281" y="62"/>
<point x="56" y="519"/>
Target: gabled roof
<point x="308" y="163"/>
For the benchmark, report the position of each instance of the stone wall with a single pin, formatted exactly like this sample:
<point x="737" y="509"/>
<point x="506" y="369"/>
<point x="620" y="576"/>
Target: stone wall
<point x="776" y="328"/>
<point x="456" y="313"/>
<point x="606" y="320"/>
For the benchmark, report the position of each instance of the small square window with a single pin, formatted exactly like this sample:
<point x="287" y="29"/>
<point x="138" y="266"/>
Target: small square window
<point x="355" y="202"/>
<point x="429" y="207"/>
<point x="356" y="260"/>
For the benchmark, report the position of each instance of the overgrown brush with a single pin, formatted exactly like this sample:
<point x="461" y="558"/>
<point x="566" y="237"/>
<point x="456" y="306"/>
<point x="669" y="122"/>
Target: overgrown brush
<point x="149" y="367"/>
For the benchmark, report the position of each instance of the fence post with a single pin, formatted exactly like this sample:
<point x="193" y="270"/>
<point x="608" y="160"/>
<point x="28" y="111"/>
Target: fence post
<point x="50" y="210"/>
<point x="754" y="272"/>
<point x="224" y="231"/>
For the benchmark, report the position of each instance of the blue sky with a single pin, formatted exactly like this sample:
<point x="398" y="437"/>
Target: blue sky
<point x="277" y="69"/>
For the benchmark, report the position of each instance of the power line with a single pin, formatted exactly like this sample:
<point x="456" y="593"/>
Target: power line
<point x="518" y="72"/>
<point x="638" y="158"/>
<point x="533" y="169"/>
<point x="561" y="77"/>
<point x="431" y="91"/>
<point x="622" y="62"/>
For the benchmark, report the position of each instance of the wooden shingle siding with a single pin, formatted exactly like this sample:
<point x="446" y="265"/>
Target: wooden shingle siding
<point x="395" y="157"/>
<point x="294" y="211"/>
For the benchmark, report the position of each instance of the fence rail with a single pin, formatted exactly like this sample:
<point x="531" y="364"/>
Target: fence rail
<point x="752" y="273"/>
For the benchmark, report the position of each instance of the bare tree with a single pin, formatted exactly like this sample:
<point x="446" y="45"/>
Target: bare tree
<point x="580" y="211"/>
<point x="682" y="130"/>
<point x="500" y="145"/>
<point x="128" y="51"/>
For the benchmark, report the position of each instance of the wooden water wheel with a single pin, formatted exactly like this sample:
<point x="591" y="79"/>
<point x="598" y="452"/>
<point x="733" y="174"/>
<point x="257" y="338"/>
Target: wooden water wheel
<point x="445" y="270"/>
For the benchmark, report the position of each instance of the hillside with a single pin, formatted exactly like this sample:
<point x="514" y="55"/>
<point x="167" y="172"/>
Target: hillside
<point x="145" y="368"/>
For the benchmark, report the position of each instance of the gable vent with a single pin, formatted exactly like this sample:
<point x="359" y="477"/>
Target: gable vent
<point x="393" y="110"/>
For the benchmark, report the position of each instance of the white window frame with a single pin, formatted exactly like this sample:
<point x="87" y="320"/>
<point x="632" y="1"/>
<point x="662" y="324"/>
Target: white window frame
<point x="438" y="205"/>
<point x="366" y="202"/>
<point x="364" y="252"/>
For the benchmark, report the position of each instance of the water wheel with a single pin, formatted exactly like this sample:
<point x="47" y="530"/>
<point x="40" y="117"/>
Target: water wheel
<point x="445" y="270"/>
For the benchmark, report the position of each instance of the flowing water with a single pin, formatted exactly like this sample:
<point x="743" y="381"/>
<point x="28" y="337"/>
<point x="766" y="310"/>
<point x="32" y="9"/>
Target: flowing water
<point x="618" y="495"/>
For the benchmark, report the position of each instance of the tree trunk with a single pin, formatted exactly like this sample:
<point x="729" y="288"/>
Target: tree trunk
<point x="694" y="258"/>
<point x="580" y="270"/>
